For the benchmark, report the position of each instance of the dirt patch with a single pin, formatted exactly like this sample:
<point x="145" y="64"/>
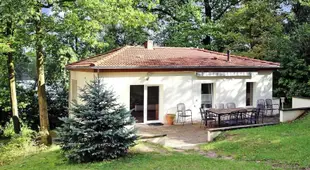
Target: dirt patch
<point x="213" y="154"/>
<point x="230" y="137"/>
<point x="143" y="147"/>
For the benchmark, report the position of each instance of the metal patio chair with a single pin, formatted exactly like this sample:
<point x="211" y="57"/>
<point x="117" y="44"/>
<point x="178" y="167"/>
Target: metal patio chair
<point x="182" y="113"/>
<point x="251" y="116"/>
<point x="242" y="117"/>
<point x="270" y="107"/>
<point x="261" y="108"/>
<point x="206" y="116"/>
<point x="219" y="105"/>
<point x="230" y="105"/>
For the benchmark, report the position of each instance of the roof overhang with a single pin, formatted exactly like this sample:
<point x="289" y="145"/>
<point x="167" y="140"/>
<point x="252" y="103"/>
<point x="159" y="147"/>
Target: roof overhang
<point x="171" y="68"/>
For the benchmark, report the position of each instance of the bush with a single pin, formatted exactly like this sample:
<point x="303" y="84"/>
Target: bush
<point x="57" y="102"/>
<point x="97" y="128"/>
<point x="14" y="145"/>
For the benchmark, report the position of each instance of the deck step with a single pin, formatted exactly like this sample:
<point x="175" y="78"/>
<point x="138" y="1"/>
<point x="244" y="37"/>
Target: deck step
<point x="141" y="136"/>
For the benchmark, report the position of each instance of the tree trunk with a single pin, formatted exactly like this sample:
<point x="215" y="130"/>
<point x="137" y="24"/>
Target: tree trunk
<point x="44" y="123"/>
<point x="208" y="18"/>
<point x="12" y="82"/>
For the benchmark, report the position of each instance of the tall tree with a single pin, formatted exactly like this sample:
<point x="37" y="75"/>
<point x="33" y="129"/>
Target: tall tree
<point x="192" y="21"/>
<point x="12" y="15"/>
<point x="12" y="81"/>
<point x="44" y="122"/>
<point x="72" y="30"/>
<point x="247" y="29"/>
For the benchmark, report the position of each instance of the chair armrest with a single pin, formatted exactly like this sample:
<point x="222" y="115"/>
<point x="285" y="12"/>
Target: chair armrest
<point x="188" y="110"/>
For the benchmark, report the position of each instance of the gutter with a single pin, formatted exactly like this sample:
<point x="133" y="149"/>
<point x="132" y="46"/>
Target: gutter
<point x="166" y="67"/>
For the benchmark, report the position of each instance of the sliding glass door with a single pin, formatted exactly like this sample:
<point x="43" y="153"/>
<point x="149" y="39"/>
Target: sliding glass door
<point x="144" y="100"/>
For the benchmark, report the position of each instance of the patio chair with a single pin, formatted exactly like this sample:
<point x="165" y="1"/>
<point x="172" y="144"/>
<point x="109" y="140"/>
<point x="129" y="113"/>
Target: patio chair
<point x="261" y="108"/>
<point x="251" y="116"/>
<point x="270" y="107"/>
<point x="206" y="116"/>
<point x="230" y="119"/>
<point x="230" y="105"/>
<point x="242" y="116"/>
<point x="219" y="105"/>
<point x="182" y="113"/>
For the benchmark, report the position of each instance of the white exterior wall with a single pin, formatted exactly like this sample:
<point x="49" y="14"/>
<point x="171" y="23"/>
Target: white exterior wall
<point x="290" y="115"/>
<point x="82" y="78"/>
<point x="300" y="102"/>
<point x="183" y="87"/>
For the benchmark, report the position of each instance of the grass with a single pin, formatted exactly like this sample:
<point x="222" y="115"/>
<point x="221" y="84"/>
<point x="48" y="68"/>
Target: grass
<point x="52" y="159"/>
<point x="280" y="146"/>
<point x="287" y="143"/>
<point x="13" y="146"/>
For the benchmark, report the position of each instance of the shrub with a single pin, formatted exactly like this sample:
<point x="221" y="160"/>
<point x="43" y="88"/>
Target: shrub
<point x="97" y="129"/>
<point x="14" y="145"/>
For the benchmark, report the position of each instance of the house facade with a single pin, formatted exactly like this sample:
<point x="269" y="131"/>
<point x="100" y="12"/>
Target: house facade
<point x="153" y="80"/>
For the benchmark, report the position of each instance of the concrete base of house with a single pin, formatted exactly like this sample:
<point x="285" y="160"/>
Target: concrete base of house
<point x="215" y="132"/>
<point x="288" y="115"/>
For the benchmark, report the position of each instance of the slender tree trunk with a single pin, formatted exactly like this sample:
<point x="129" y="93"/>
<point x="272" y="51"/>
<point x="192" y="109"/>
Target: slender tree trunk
<point x="208" y="18"/>
<point x="44" y="123"/>
<point x="12" y="81"/>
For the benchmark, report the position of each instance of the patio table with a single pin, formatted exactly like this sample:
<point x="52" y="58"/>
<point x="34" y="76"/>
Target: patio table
<point x="220" y="112"/>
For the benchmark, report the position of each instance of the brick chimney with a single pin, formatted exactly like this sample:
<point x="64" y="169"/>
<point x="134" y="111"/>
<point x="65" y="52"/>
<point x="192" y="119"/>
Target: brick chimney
<point x="148" y="44"/>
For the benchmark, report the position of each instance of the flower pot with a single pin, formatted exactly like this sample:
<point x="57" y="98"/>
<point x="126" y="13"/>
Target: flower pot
<point x="170" y="119"/>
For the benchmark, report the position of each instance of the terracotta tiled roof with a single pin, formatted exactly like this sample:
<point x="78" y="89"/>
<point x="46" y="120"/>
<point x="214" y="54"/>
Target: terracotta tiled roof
<point x="138" y="57"/>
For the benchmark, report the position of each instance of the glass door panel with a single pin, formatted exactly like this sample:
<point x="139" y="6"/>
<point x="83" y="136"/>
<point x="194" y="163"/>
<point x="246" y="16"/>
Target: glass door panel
<point x="137" y="101"/>
<point x="206" y="95"/>
<point x="152" y="103"/>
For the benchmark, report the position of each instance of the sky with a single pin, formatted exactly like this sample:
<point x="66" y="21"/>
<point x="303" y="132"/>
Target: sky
<point x="47" y="10"/>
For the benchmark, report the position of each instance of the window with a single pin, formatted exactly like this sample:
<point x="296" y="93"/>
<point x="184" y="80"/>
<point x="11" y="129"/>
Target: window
<point x="74" y="90"/>
<point x="206" y="95"/>
<point x="249" y="94"/>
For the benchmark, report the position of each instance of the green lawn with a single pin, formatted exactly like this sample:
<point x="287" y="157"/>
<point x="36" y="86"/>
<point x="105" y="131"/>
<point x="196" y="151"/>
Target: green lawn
<point x="287" y="143"/>
<point x="282" y="146"/>
<point x="52" y="159"/>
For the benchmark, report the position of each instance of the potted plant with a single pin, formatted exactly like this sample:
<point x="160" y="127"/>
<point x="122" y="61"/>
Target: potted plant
<point x="170" y="118"/>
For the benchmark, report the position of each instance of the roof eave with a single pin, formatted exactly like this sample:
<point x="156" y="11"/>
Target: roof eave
<point x="167" y="67"/>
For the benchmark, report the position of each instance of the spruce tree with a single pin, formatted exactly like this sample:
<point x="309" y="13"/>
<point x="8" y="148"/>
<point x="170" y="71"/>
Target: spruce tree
<point x="98" y="128"/>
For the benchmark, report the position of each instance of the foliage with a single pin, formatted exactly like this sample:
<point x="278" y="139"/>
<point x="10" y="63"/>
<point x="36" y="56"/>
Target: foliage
<point x="71" y="30"/>
<point x="294" y="57"/>
<point x="15" y="145"/>
<point x="190" y="23"/>
<point x="57" y="100"/>
<point x="247" y="30"/>
<point x="98" y="128"/>
<point x="270" y="143"/>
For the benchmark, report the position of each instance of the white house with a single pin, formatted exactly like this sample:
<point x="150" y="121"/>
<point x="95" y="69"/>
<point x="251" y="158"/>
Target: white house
<point x="153" y="80"/>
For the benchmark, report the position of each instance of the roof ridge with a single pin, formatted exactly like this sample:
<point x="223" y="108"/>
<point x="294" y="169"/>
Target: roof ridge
<point x="188" y="48"/>
<point x="240" y="57"/>
<point x="112" y="54"/>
